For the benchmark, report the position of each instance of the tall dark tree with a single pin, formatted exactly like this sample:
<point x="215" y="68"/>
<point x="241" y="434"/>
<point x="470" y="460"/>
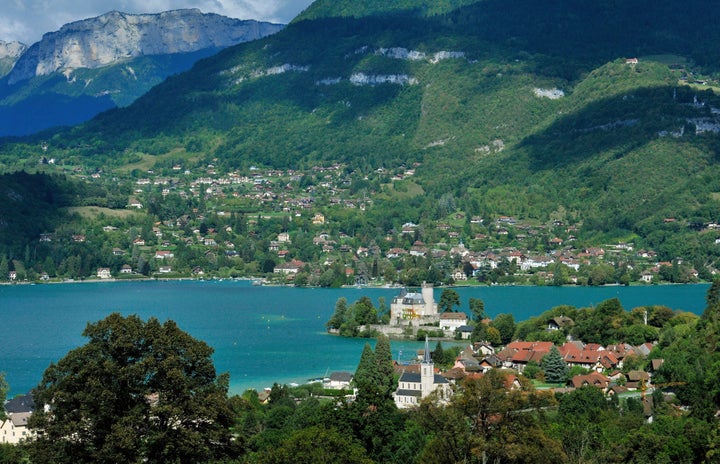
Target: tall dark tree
<point x="385" y="368"/>
<point x="555" y="367"/>
<point x="136" y="392"/>
<point x="477" y="308"/>
<point x="449" y="298"/>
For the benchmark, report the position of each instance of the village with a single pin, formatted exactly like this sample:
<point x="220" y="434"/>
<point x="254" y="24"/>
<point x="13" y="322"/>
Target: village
<point x="318" y="228"/>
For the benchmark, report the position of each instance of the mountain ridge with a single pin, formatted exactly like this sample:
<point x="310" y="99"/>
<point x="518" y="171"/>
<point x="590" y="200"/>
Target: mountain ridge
<point x="99" y="41"/>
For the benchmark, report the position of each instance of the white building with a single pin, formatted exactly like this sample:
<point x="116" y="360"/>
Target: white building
<point x="413" y="387"/>
<point x="14" y="428"/>
<point x="410" y="307"/>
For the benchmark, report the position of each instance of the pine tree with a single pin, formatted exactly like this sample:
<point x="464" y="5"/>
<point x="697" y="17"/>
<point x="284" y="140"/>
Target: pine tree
<point x="385" y="369"/>
<point x="556" y="370"/>
<point x="366" y="375"/>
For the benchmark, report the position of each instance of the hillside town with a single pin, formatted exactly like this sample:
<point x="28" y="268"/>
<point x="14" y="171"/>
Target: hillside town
<point x="320" y="227"/>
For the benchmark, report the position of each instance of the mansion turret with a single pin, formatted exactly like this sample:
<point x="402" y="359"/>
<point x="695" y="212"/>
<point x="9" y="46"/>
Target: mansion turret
<point x="413" y="307"/>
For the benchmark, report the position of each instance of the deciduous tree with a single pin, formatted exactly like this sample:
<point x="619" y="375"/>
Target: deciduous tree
<point x="136" y="392"/>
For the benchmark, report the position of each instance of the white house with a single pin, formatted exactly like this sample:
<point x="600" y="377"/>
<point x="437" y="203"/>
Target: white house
<point x="452" y="321"/>
<point x="104" y="273"/>
<point x="338" y="381"/>
<point x="14" y="428"/>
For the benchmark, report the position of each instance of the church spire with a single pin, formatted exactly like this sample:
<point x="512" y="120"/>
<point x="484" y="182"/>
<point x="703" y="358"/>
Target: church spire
<point x="426" y="357"/>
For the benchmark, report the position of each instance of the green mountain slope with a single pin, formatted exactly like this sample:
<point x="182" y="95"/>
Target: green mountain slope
<point x="512" y="107"/>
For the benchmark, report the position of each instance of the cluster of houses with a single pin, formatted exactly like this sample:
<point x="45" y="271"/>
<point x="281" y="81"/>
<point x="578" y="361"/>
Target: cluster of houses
<point x="603" y="365"/>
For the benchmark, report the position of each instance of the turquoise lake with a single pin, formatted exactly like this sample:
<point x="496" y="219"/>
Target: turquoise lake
<point x="260" y="334"/>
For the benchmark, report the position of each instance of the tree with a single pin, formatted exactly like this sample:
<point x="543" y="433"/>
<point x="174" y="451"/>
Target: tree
<point x="136" y="392"/>
<point x="449" y="298"/>
<point x="340" y="315"/>
<point x="505" y="324"/>
<point x="385" y="368"/>
<point x="477" y="308"/>
<point x="554" y="365"/>
<point x="366" y="375"/>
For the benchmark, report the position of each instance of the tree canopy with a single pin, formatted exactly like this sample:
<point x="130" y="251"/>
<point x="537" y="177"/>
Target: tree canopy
<point x="136" y="392"/>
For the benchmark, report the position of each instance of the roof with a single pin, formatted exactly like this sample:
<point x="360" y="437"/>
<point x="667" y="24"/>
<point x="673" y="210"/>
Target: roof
<point x="341" y="376"/>
<point x="22" y="403"/>
<point x="455" y="316"/>
<point x="20" y="419"/>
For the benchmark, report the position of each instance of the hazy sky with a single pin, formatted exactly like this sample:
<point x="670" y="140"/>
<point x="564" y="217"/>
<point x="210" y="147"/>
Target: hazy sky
<point x="27" y="20"/>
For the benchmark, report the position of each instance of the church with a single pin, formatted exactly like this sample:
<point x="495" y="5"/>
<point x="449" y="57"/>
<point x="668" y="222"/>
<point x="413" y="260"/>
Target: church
<point x="413" y="387"/>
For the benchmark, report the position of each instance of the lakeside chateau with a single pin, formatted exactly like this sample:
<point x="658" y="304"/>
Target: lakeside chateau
<point x="412" y="307"/>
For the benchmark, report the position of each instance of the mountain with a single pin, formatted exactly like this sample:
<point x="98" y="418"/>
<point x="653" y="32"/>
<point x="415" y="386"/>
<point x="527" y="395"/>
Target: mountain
<point x="603" y="114"/>
<point x="95" y="64"/>
<point x="9" y="54"/>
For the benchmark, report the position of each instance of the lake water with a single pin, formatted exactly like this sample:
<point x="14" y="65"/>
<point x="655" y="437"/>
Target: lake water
<point x="260" y="334"/>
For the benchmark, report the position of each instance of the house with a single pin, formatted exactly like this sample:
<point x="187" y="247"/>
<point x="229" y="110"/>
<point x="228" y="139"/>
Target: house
<point x="594" y="379"/>
<point x="338" y="381"/>
<point x="452" y="321"/>
<point x="559" y="322"/>
<point x="413" y="387"/>
<point x="126" y="269"/>
<point x="293" y="267"/>
<point x="104" y="273"/>
<point x="164" y="254"/>
<point x="465" y="331"/>
<point x="14" y="428"/>
<point x="458" y="275"/>
<point x="165" y="269"/>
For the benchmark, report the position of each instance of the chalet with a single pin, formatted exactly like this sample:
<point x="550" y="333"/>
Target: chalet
<point x="164" y="254"/>
<point x="559" y="322"/>
<point x="118" y="252"/>
<point x="631" y="61"/>
<point x="139" y="242"/>
<point x="78" y="238"/>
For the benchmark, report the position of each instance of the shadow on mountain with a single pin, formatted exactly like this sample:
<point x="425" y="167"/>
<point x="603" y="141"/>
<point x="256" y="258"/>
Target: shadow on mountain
<point x="596" y="32"/>
<point x="614" y="126"/>
<point x="47" y="110"/>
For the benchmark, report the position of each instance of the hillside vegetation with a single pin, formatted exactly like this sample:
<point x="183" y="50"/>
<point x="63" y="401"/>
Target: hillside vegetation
<point x="517" y="108"/>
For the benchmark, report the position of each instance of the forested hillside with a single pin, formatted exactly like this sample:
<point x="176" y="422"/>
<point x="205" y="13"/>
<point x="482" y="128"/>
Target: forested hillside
<point x="601" y="115"/>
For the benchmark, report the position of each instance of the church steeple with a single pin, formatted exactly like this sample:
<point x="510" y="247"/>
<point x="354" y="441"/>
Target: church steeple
<point x="426" y="356"/>
<point x="427" y="372"/>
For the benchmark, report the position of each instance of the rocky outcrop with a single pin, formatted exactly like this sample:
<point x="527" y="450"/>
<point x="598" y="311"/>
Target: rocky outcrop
<point x="115" y="36"/>
<point x="9" y="54"/>
<point x="11" y="49"/>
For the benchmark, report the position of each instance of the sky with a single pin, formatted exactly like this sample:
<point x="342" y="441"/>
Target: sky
<point x="27" y="20"/>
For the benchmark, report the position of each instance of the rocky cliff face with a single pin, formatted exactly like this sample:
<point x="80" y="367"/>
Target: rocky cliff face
<point x="115" y="36"/>
<point x="9" y="54"/>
